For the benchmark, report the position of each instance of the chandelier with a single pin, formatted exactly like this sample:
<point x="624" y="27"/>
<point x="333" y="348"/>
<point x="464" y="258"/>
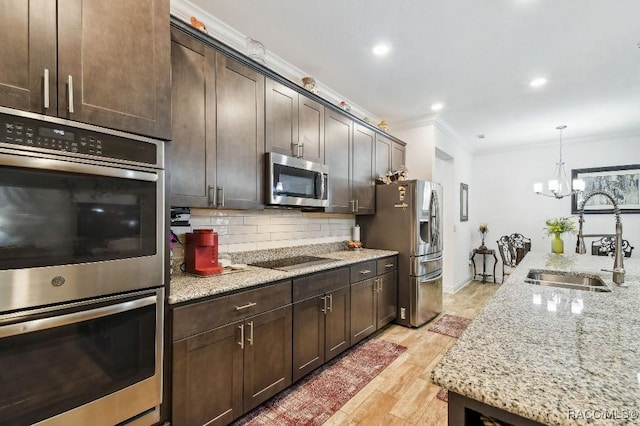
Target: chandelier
<point x="559" y="186"/>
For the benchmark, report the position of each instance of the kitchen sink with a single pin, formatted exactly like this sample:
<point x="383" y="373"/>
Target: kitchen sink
<point x="571" y="280"/>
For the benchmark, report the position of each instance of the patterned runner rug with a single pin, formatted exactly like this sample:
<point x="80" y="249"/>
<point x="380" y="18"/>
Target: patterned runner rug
<point x="450" y="325"/>
<point x="318" y="396"/>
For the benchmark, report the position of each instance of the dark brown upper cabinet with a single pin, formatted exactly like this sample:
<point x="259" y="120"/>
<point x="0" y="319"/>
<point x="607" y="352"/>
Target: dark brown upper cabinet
<point x="362" y="175"/>
<point x="338" y="135"/>
<point x="295" y="123"/>
<point x="216" y="156"/>
<point x="103" y="63"/>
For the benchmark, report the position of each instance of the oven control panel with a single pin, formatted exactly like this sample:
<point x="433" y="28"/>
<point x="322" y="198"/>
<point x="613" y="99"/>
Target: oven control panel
<point x="50" y="136"/>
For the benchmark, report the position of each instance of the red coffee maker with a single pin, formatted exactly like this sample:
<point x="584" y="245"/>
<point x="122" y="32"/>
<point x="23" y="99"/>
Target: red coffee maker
<point x="201" y="253"/>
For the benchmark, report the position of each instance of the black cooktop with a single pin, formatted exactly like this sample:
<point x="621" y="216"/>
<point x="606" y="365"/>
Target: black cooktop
<point x="290" y="263"/>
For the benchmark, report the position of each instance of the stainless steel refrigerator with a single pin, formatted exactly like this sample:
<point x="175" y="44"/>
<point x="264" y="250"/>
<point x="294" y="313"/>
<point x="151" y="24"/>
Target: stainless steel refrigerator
<point x="408" y="220"/>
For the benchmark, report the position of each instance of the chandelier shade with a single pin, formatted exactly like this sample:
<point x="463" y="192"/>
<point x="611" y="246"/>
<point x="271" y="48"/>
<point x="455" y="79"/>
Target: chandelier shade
<point x="559" y="185"/>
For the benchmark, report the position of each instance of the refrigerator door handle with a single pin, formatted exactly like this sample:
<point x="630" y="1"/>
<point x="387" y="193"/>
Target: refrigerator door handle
<point x="431" y="260"/>
<point x="437" y="277"/>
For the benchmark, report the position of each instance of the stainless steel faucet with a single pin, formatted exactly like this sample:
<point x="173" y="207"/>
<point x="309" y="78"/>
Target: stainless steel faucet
<point x="618" y="267"/>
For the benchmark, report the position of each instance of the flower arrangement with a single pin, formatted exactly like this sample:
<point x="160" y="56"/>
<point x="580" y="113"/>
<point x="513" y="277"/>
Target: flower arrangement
<point x="483" y="228"/>
<point x="560" y="225"/>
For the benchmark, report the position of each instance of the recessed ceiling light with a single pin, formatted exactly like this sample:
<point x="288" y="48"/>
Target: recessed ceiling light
<point x="481" y="136"/>
<point x="538" y="82"/>
<point x="381" y="49"/>
<point x="437" y="106"/>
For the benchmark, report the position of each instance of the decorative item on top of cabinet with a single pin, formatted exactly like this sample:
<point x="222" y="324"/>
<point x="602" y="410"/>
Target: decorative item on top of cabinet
<point x="345" y="106"/>
<point x="199" y="25"/>
<point x="383" y="125"/>
<point x="309" y="83"/>
<point x="65" y="60"/>
<point x="256" y="51"/>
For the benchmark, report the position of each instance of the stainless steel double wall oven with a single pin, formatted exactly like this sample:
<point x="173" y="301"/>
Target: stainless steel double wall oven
<point x="81" y="273"/>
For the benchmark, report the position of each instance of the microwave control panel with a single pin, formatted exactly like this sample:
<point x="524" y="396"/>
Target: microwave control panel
<point x="49" y="136"/>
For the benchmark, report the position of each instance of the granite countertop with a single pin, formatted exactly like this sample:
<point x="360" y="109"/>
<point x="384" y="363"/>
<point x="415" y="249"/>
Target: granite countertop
<point x="556" y="356"/>
<point x="184" y="287"/>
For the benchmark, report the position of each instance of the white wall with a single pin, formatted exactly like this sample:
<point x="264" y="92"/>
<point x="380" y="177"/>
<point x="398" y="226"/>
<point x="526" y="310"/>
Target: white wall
<point x="502" y="191"/>
<point x="436" y="153"/>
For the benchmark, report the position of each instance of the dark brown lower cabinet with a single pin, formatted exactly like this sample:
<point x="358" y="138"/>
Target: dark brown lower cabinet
<point x="207" y="377"/>
<point x="220" y="374"/>
<point x="321" y="322"/>
<point x="267" y="356"/>
<point x="373" y="300"/>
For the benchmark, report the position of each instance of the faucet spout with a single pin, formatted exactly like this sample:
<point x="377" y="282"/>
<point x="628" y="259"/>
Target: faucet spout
<point x="618" y="265"/>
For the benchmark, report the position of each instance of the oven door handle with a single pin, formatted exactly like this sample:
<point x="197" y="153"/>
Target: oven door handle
<point x="68" y="166"/>
<point x="75" y="317"/>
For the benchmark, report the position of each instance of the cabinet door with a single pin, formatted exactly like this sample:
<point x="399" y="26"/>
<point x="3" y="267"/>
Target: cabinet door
<point x="383" y="155"/>
<point x="240" y="134"/>
<point x="387" y="298"/>
<point x="207" y="377"/>
<point x="114" y="64"/>
<point x="191" y="154"/>
<point x="338" y="322"/>
<point x="267" y="356"/>
<point x="308" y="335"/>
<point x="337" y="141"/>
<point x="363" y="309"/>
<point x="362" y="180"/>
<point x="28" y="48"/>
<point x="397" y="156"/>
<point x="282" y="119"/>
<point x="311" y="129"/>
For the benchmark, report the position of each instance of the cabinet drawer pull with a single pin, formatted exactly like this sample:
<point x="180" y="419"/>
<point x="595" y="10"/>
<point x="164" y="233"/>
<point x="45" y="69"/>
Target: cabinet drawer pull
<point x="250" y="338"/>
<point x="70" y="83"/>
<point x="220" y="199"/>
<point x="365" y="272"/>
<point x="248" y="305"/>
<point x="324" y="309"/>
<point x="330" y="302"/>
<point x="211" y="200"/>
<point x="46" y="88"/>
<point x="241" y="342"/>
<point x="389" y="265"/>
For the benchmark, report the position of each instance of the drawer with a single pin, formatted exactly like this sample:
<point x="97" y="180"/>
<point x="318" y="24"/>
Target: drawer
<point x="202" y="316"/>
<point x="362" y="271"/>
<point x="387" y="264"/>
<point x="319" y="283"/>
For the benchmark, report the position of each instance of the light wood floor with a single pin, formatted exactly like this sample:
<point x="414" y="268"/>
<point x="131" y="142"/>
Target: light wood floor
<point x="403" y="394"/>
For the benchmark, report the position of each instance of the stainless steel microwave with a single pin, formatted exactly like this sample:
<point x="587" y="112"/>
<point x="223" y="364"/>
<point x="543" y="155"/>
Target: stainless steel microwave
<point x="296" y="182"/>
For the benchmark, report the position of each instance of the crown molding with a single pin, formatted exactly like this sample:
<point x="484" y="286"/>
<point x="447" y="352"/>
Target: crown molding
<point x="184" y="10"/>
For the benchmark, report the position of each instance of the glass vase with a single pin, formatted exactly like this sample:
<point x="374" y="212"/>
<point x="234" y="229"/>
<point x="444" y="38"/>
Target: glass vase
<point x="557" y="245"/>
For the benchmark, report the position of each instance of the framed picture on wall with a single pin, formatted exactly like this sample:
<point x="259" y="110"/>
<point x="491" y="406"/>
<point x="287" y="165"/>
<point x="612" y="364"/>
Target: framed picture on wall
<point x="464" y="202"/>
<point x="622" y="182"/>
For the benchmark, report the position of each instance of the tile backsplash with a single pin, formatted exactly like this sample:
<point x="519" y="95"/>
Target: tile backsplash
<point x="240" y="231"/>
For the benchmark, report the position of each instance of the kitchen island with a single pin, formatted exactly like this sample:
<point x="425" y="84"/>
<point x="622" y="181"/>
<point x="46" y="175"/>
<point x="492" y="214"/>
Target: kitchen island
<point x="550" y="355"/>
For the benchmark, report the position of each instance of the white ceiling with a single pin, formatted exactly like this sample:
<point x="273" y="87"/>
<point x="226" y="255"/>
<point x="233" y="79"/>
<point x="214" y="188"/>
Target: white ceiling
<point x="475" y="56"/>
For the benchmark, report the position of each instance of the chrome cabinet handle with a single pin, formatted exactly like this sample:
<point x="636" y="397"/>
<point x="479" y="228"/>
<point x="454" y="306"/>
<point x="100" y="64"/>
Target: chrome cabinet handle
<point x="250" y="338"/>
<point x="295" y="149"/>
<point x="248" y="305"/>
<point x="70" y="83"/>
<point x="220" y="200"/>
<point x="241" y="342"/>
<point x="324" y="309"/>
<point x="330" y="296"/>
<point x="365" y="272"/>
<point x="353" y="206"/>
<point x="301" y="145"/>
<point x="357" y="206"/>
<point x="389" y="265"/>
<point x="46" y="88"/>
<point x="211" y="201"/>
